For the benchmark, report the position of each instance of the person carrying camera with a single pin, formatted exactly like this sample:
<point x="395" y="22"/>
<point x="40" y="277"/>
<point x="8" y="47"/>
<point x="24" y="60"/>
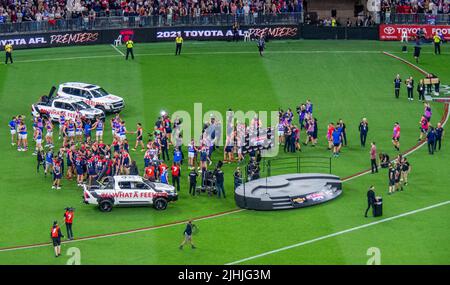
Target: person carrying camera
<point x="68" y="220"/>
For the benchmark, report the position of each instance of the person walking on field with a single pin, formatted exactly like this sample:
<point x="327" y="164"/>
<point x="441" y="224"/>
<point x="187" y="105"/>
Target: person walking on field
<point x="371" y="199"/>
<point x="188" y="235"/>
<point x="373" y="158"/>
<point x="56" y="235"/>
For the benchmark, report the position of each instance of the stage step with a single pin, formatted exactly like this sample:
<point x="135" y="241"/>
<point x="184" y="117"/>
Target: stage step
<point x="281" y="207"/>
<point x="287" y="203"/>
<point x="280" y="198"/>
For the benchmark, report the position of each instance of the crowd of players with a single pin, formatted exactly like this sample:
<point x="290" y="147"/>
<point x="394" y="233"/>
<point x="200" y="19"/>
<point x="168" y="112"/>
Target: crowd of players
<point x="88" y="159"/>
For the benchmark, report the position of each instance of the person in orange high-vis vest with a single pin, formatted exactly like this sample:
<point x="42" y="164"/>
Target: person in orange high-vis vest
<point x="55" y="234"/>
<point x="68" y="220"/>
<point x="176" y="175"/>
<point x="150" y="173"/>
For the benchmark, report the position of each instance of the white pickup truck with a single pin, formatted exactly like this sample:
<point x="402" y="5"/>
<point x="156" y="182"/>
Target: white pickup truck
<point x="93" y="95"/>
<point x="53" y="108"/>
<point x="128" y="190"/>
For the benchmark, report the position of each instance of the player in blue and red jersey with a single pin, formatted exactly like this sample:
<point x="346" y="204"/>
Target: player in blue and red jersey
<point x="22" y="144"/>
<point x="12" y="129"/>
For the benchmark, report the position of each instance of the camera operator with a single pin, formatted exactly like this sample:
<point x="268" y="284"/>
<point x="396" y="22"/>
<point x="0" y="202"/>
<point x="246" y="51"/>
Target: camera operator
<point x="218" y="173"/>
<point x="68" y="220"/>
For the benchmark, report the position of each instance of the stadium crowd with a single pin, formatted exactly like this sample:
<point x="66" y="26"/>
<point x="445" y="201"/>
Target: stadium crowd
<point x="433" y="7"/>
<point x="50" y="10"/>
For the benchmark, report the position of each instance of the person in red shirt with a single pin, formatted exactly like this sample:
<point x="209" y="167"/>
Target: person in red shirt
<point x="176" y="175"/>
<point x="68" y="220"/>
<point x="150" y="173"/>
<point x="373" y="158"/>
<point x="161" y="168"/>
<point x="55" y="235"/>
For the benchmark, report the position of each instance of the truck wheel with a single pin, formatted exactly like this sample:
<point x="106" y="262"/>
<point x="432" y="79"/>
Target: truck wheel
<point x="105" y="206"/>
<point x="160" y="204"/>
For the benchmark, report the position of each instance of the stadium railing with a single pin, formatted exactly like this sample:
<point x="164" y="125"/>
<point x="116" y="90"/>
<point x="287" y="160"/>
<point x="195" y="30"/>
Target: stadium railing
<point x="118" y="22"/>
<point x="285" y="165"/>
<point x="304" y="164"/>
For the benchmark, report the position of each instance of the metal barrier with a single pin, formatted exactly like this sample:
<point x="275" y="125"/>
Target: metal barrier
<point x="278" y="166"/>
<point x="399" y="18"/>
<point x="285" y="165"/>
<point x="119" y="22"/>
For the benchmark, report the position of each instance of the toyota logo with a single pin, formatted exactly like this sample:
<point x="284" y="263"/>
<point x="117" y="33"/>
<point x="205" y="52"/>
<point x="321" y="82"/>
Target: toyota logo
<point x="389" y="30"/>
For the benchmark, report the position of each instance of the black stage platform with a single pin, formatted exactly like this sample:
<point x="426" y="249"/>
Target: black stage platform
<point x="288" y="191"/>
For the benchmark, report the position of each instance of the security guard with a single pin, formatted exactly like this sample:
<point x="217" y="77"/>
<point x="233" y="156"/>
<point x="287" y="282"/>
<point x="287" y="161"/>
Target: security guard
<point x="192" y="181"/>
<point x="55" y="234"/>
<point x="437" y="44"/>
<point x="129" y="44"/>
<point x="68" y="220"/>
<point x="179" y="43"/>
<point x="8" y="53"/>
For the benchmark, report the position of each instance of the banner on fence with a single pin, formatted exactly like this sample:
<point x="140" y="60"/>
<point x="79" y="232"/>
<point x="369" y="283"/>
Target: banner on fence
<point x="394" y="32"/>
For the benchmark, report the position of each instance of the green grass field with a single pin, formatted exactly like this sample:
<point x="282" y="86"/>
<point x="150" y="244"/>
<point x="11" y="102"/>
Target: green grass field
<point x="344" y="79"/>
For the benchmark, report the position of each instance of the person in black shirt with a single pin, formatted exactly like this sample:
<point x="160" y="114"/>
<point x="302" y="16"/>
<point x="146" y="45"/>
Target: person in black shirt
<point x="439" y="134"/>
<point x="235" y="32"/>
<point x="237" y="178"/>
<point x="133" y="168"/>
<point x="164" y="146"/>
<point x="421" y="90"/>
<point x="363" y="130"/>
<point x="218" y="173"/>
<point x="391" y="175"/>
<point x="431" y="140"/>
<point x="417" y="49"/>
<point x="188" y="235"/>
<point x="261" y="45"/>
<point x="397" y="82"/>
<point x="384" y="160"/>
<point x="192" y="181"/>
<point x="371" y="199"/>
<point x="406" y="167"/>
<point x="344" y="133"/>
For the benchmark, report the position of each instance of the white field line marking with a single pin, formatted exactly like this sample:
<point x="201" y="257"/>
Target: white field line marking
<point x="118" y="50"/>
<point x="119" y="233"/>
<point x="208" y="53"/>
<point x="174" y="224"/>
<point x="340" y="233"/>
<point x="196" y="53"/>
